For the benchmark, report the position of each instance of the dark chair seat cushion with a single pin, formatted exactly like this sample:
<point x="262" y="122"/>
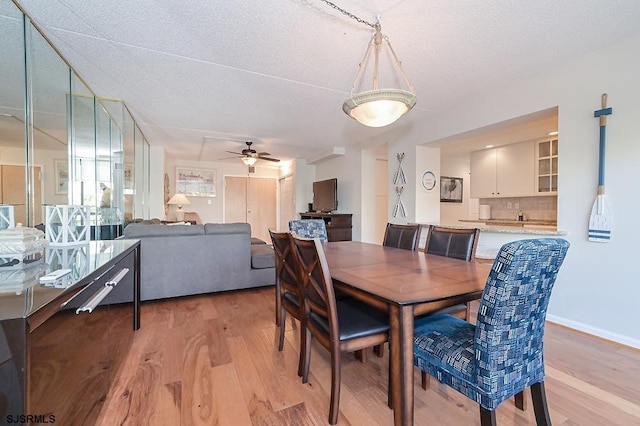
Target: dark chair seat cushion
<point x="451" y="310"/>
<point x="355" y="319"/>
<point x="447" y="342"/>
<point x="291" y="298"/>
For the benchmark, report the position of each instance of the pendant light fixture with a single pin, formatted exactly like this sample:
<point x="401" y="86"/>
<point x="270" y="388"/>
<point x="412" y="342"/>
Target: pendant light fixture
<point x="377" y="107"/>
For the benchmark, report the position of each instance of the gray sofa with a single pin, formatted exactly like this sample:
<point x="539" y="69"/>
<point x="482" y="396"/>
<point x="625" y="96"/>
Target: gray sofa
<point x="185" y="260"/>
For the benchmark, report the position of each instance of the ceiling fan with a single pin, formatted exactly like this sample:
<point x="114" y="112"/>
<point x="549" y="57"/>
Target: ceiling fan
<point x="249" y="155"/>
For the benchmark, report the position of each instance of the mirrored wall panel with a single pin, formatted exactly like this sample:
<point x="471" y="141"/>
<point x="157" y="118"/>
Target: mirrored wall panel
<point x="59" y="143"/>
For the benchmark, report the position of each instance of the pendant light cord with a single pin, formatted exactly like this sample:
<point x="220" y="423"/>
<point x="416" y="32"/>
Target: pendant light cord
<point x="350" y="15"/>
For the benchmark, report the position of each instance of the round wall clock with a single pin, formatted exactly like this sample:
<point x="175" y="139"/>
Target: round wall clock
<point x="428" y="180"/>
<point x="166" y="193"/>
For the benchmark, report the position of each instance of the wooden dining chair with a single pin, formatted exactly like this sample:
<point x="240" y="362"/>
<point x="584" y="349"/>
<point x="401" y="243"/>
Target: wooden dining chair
<point x="402" y="236"/>
<point x="458" y="243"/>
<point x="339" y="326"/>
<point x="192" y="217"/>
<point x="289" y="290"/>
<point x="502" y="354"/>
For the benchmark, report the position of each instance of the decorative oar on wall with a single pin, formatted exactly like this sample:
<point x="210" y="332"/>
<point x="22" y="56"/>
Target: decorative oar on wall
<point x="600" y="219"/>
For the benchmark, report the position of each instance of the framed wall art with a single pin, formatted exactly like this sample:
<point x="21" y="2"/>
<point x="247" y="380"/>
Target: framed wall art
<point x="196" y="182"/>
<point x="450" y="189"/>
<point x="128" y="176"/>
<point x="61" y="176"/>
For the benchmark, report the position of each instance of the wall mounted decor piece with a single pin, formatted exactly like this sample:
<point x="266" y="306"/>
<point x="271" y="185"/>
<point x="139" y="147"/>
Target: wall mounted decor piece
<point x="62" y="176"/>
<point x="399" y="177"/>
<point x="399" y="209"/>
<point x="196" y="182"/>
<point x="450" y="189"/>
<point x="600" y="218"/>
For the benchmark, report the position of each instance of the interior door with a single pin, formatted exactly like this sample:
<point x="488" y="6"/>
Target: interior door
<point x="287" y="203"/>
<point x="252" y="200"/>
<point x="14" y="192"/>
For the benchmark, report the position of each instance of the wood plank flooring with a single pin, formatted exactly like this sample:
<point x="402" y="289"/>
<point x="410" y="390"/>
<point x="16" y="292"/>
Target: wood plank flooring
<point x="213" y="360"/>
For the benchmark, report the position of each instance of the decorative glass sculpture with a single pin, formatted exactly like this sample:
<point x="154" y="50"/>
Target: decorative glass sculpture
<point x="67" y="225"/>
<point x="6" y="217"/>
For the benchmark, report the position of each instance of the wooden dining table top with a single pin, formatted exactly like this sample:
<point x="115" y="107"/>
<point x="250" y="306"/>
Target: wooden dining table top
<point x="401" y="276"/>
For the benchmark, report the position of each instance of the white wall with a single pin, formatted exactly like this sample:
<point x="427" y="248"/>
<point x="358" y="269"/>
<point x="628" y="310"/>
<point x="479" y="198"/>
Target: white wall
<point x="598" y="288"/>
<point x="427" y="203"/>
<point x="214" y="212"/>
<point x="156" y="182"/>
<point x="348" y="170"/>
<point x="303" y="176"/>
<point x="451" y="212"/>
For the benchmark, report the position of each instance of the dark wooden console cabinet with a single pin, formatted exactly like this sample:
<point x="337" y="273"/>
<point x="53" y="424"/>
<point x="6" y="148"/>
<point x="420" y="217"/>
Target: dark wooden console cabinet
<point x="60" y="348"/>
<point x="338" y="224"/>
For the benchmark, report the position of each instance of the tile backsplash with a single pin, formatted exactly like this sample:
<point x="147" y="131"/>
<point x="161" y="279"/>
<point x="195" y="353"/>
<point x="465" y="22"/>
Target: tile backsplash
<point x="534" y="208"/>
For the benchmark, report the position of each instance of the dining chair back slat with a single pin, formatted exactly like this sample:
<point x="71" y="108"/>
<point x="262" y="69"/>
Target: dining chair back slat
<point x="402" y="236"/>
<point x="459" y="243"/>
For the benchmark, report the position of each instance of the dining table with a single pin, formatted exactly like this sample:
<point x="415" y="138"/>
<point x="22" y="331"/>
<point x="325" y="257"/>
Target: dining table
<point x="405" y="284"/>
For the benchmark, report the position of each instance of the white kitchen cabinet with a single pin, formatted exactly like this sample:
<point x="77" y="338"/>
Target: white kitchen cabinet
<point x="506" y="171"/>
<point x="547" y="167"/>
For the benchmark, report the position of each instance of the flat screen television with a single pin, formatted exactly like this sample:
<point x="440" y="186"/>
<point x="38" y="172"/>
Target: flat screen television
<point x="325" y="195"/>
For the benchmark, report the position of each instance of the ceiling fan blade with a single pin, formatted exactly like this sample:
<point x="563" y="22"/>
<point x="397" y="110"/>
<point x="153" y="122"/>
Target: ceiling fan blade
<point x="260" y="154"/>
<point x="275" y="160"/>
<point x="236" y="153"/>
<point x="228" y="158"/>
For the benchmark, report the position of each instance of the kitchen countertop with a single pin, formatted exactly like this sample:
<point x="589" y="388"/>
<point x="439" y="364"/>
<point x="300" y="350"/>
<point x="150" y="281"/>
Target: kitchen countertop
<point x="492" y="237"/>
<point x="511" y="222"/>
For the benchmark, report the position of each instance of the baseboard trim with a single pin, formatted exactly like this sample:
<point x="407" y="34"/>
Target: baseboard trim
<point x="594" y="331"/>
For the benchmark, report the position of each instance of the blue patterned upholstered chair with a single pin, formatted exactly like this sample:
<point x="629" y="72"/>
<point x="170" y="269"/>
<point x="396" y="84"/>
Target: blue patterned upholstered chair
<point x="502" y="354"/>
<point x="309" y="228"/>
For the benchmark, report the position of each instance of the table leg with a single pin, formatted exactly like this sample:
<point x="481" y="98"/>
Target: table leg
<point x="401" y="363"/>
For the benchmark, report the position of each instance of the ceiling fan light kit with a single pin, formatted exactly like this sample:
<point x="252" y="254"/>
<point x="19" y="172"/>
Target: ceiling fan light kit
<point x="250" y="156"/>
<point x="249" y="161"/>
<point x="377" y="107"/>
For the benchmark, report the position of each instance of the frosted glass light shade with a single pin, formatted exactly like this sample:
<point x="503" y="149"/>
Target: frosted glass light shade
<point x="378" y="108"/>
<point x="249" y="161"/>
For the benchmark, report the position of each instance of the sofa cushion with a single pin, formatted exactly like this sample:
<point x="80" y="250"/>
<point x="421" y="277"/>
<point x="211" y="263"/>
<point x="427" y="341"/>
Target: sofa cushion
<point x="262" y="256"/>
<point x="139" y="230"/>
<point x="255" y="240"/>
<point x="227" y="228"/>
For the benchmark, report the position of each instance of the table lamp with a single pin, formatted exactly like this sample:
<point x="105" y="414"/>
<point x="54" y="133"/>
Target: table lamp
<point x="179" y="200"/>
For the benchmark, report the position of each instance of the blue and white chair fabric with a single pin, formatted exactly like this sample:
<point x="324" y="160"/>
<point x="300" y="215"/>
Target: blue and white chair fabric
<point x="309" y="228"/>
<point x="502" y="354"/>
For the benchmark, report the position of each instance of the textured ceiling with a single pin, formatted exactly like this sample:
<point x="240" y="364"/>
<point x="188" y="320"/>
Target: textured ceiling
<point x="202" y="76"/>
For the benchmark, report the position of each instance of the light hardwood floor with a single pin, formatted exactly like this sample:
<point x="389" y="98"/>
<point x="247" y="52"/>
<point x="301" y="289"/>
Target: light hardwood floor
<point x="213" y="360"/>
